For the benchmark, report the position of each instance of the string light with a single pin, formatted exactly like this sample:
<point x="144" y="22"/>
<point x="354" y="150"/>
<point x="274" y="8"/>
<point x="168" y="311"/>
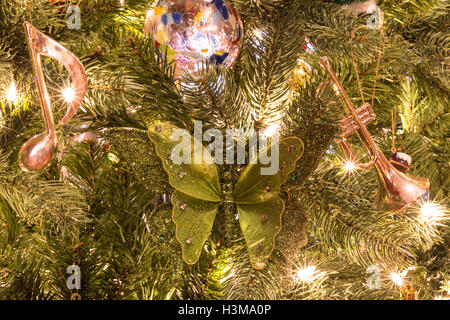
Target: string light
<point x="446" y="286"/>
<point x="271" y="130"/>
<point x="307" y="274"/>
<point x="258" y="34"/>
<point x="445" y="292"/>
<point x="431" y="212"/>
<point x="69" y="95"/>
<point x="349" y="166"/>
<point x="397" y="278"/>
<point x="11" y="94"/>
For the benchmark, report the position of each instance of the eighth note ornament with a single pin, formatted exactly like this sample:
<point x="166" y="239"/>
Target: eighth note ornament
<point x="39" y="150"/>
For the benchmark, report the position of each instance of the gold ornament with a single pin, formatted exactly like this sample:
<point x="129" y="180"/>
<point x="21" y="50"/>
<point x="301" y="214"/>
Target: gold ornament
<point x="302" y="73"/>
<point x="407" y="292"/>
<point x="301" y="76"/>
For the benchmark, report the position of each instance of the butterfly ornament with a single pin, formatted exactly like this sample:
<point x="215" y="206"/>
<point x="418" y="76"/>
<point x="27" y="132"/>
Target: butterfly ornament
<point x="198" y="195"/>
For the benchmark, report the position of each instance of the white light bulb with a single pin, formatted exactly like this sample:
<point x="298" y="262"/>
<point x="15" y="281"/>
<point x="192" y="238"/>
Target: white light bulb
<point x="446" y="286"/>
<point x="68" y="94"/>
<point x="306" y="274"/>
<point x="432" y="212"/>
<point x="258" y="34"/>
<point x="11" y="94"/>
<point x="397" y="278"/>
<point x="271" y="130"/>
<point x="349" y="166"/>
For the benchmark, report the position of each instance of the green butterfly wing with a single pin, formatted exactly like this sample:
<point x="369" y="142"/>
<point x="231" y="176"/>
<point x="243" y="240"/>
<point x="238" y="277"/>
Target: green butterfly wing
<point x="260" y="223"/>
<point x="194" y="219"/>
<point x="254" y="187"/>
<point x="198" y="180"/>
<point x="259" y="206"/>
<point x="197" y="196"/>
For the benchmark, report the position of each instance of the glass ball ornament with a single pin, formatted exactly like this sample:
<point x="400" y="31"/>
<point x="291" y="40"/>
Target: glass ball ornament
<point x="192" y="31"/>
<point x="358" y="7"/>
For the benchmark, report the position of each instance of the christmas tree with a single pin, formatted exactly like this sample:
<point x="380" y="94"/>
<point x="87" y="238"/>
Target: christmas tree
<point x="351" y="96"/>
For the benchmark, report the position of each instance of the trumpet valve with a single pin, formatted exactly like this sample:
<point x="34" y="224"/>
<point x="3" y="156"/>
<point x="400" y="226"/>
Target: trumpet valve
<point x="349" y="125"/>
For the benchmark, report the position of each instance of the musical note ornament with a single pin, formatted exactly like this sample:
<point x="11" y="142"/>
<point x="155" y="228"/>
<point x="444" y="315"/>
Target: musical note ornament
<point x="39" y="150"/>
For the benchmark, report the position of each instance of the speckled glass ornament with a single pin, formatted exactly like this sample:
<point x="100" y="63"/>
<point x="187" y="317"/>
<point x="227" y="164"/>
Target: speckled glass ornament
<point x="193" y="31"/>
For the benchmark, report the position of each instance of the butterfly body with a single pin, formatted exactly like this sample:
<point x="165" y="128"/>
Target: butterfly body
<point x="227" y="222"/>
<point x="200" y="195"/>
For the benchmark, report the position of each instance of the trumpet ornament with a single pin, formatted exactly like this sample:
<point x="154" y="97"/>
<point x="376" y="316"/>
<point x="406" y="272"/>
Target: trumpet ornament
<point x="397" y="190"/>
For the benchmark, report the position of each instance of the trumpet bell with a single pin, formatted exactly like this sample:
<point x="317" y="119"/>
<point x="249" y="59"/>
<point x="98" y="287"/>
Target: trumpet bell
<point x="398" y="190"/>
